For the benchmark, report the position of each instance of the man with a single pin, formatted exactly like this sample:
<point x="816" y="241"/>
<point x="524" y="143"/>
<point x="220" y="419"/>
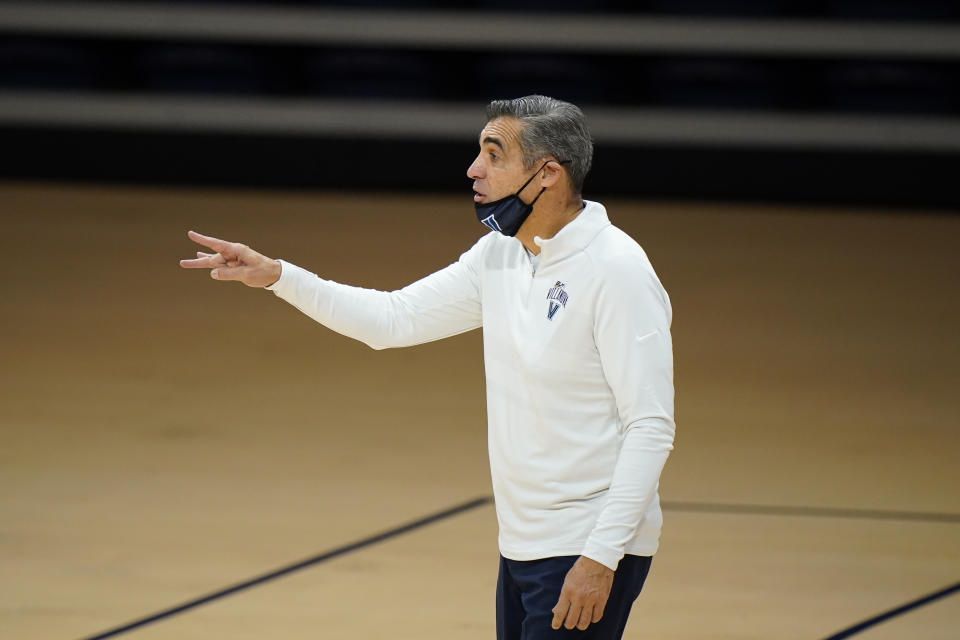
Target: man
<point x="579" y="367"/>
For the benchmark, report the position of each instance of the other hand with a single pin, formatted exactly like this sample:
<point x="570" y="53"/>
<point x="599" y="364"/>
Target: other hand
<point x="584" y="595"/>
<point x="233" y="261"/>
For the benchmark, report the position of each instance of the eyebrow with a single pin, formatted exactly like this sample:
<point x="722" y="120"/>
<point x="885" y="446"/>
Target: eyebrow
<point x="495" y="141"/>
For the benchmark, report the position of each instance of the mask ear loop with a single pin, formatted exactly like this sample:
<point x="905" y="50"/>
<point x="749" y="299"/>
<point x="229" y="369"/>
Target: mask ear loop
<point x="534" y="176"/>
<point x="530" y="179"/>
<point x="538" y="197"/>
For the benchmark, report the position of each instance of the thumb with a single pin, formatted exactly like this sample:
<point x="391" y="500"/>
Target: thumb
<point x="229" y="273"/>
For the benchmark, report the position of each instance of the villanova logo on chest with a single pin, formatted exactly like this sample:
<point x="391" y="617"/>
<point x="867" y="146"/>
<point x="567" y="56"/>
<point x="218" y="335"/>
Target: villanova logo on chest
<point x="556" y="298"/>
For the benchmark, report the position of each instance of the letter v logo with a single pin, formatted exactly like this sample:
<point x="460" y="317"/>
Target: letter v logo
<point x="552" y="310"/>
<point x="491" y="222"/>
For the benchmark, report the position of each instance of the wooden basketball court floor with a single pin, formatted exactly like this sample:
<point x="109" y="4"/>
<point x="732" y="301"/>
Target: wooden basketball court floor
<point x="164" y="436"/>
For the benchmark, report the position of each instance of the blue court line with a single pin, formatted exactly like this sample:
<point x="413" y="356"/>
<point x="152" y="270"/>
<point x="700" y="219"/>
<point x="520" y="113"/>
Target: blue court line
<point x="866" y="624"/>
<point x="744" y="509"/>
<point x="303" y="564"/>
<point x="828" y="512"/>
<point x="821" y="512"/>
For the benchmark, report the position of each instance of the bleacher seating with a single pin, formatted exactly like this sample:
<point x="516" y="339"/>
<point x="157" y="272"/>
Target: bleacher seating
<point x="628" y="62"/>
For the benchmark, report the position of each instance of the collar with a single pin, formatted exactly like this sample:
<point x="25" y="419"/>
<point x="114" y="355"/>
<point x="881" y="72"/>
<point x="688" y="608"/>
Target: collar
<point x="575" y="235"/>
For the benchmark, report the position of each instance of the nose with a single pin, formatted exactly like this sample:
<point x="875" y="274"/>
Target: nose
<point x="475" y="171"/>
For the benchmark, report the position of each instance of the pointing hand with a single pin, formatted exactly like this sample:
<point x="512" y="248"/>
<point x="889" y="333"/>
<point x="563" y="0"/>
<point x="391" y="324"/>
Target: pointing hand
<point x="233" y="261"/>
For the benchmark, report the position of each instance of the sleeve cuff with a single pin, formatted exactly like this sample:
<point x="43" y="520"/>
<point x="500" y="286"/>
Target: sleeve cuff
<point x="283" y="272"/>
<point x="607" y="556"/>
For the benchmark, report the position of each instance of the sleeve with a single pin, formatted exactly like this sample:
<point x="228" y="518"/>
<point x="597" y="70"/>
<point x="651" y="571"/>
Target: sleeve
<point x="440" y="305"/>
<point x="632" y="333"/>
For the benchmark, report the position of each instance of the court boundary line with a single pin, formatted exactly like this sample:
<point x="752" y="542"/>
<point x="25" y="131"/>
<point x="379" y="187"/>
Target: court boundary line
<point x="893" y="613"/>
<point x="819" y="512"/>
<point x="296" y="566"/>
<point x="693" y="507"/>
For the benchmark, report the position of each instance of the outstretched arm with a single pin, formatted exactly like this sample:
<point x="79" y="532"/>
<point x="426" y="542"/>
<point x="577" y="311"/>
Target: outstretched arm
<point x="233" y="261"/>
<point x="442" y="304"/>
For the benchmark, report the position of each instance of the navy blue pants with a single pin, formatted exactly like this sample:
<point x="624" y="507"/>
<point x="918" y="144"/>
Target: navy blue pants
<point x="528" y="591"/>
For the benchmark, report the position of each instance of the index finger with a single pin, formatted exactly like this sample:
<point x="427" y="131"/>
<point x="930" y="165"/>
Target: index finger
<point x="216" y="244"/>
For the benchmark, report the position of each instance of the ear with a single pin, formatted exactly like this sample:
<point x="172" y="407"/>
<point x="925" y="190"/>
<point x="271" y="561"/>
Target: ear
<point x="553" y="173"/>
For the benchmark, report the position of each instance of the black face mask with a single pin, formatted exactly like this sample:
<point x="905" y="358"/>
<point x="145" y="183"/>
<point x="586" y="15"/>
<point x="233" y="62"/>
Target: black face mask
<point x="508" y="214"/>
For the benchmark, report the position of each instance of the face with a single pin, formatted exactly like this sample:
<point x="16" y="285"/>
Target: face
<point x="498" y="169"/>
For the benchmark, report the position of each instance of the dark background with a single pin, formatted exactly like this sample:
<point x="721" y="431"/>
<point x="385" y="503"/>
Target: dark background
<point x="901" y="89"/>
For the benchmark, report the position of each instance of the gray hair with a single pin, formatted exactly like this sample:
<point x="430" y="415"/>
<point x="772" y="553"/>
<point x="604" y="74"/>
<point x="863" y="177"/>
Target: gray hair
<point x="550" y="128"/>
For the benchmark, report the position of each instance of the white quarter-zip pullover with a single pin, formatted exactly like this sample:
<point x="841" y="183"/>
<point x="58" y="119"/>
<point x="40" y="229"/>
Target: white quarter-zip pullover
<point x="579" y="371"/>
